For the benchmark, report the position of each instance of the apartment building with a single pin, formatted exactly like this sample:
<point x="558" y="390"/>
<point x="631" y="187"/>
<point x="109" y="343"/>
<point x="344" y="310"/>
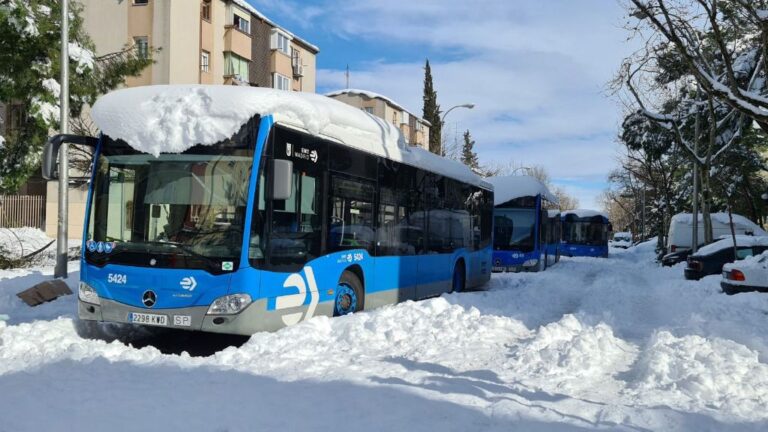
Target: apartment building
<point x="415" y="129"/>
<point x="199" y="41"/>
<point x="203" y="41"/>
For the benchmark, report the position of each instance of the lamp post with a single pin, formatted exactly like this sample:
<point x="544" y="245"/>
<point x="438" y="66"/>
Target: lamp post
<point x="60" y="270"/>
<point x="442" y="119"/>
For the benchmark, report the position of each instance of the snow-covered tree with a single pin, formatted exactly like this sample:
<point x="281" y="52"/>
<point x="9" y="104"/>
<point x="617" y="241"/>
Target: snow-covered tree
<point x="29" y="78"/>
<point x="722" y="44"/>
<point x="691" y="84"/>
<point x="468" y="155"/>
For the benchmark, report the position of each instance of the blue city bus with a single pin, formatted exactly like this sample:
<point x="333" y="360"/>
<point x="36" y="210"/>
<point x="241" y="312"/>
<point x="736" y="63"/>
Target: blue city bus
<point x="274" y="225"/>
<point x="585" y="233"/>
<point x="554" y="236"/>
<point x="524" y="234"/>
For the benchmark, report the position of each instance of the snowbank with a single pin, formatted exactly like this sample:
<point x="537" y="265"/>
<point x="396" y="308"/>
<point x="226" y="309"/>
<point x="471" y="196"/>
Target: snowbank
<point x="20" y="242"/>
<point x="702" y="373"/>
<point x="171" y="119"/>
<point x="611" y="344"/>
<point x="508" y="188"/>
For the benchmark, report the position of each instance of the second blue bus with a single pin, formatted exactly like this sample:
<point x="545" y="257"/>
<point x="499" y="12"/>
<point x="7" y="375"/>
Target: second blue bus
<point x="526" y="235"/>
<point x="585" y="233"/>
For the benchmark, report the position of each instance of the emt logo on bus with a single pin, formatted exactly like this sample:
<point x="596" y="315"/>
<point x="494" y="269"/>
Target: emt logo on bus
<point x="296" y="281"/>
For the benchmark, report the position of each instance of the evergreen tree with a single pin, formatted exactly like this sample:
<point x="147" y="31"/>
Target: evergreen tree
<point x="468" y="155"/>
<point x="30" y="68"/>
<point x="432" y="112"/>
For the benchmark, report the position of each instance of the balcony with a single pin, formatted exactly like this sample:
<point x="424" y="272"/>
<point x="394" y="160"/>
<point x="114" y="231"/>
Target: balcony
<point x="237" y="42"/>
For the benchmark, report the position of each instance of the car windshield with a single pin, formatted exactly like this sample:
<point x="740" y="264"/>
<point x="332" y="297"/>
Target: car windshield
<point x="514" y="229"/>
<point x="188" y="205"/>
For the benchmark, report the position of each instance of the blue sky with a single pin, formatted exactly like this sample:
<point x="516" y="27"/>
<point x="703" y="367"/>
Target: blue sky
<point x="537" y="71"/>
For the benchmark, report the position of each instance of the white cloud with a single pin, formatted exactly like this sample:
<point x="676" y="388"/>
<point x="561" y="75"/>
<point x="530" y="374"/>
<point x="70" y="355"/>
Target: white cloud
<point x="537" y="71"/>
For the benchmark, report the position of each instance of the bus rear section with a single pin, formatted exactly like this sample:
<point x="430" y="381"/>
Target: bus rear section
<point x="277" y="224"/>
<point x="585" y="233"/>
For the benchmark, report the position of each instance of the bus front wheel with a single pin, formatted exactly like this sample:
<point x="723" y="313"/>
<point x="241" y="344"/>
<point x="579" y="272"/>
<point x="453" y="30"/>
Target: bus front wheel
<point x="349" y="295"/>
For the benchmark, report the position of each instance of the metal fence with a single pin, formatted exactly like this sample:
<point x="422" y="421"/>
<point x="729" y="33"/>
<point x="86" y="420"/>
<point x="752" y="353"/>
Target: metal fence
<point x="22" y="211"/>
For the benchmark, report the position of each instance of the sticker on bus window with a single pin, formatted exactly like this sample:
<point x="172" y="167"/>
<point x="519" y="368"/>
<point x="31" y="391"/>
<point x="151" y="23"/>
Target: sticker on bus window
<point x="227" y="266"/>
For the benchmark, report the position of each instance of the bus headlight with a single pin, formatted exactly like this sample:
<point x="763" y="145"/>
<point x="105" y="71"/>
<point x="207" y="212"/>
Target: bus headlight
<point x="87" y="294"/>
<point x="230" y="304"/>
<point x="530" y="263"/>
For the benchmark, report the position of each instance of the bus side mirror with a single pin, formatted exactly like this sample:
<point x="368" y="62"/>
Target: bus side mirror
<point x="282" y="179"/>
<point x="51" y="160"/>
<point x="50" y="163"/>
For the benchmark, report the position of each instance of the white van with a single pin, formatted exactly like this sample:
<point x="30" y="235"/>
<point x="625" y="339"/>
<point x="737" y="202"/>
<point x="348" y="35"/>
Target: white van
<point x="681" y="229"/>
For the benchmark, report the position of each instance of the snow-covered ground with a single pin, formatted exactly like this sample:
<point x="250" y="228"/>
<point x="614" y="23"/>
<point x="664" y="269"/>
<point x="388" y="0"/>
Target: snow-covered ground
<point x="615" y="343"/>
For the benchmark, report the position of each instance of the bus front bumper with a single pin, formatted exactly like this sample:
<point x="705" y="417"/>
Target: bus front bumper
<point x="254" y="318"/>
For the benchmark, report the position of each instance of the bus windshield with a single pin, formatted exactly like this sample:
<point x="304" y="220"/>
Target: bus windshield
<point x="588" y="233"/>
<point x="184" y="210"/>
<point x="515" y="229"/>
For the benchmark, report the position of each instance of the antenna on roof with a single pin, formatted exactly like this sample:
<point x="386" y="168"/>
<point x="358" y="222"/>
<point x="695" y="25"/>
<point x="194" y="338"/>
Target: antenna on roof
<point x="347" y="75"/>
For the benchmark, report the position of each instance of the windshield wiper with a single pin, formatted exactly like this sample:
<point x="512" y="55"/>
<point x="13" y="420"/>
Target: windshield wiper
<point x="212" y="262"/>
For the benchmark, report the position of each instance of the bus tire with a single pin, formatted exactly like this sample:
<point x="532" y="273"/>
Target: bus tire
<point x="459" y="280"/>
<point x="350" y="296"/>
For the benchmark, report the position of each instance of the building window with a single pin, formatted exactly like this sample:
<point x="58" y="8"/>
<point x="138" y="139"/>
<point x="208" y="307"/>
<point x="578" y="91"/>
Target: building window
<point x="282" y="82"/>
<point x="205" y="61"/>
<point x="205" y="10"/>
<point x="140" y="2"/>
<point x="281" y="42"/>
<point x="236" y="66"/>
<point x="142" y="46"/>
<point x="242" y="24"/>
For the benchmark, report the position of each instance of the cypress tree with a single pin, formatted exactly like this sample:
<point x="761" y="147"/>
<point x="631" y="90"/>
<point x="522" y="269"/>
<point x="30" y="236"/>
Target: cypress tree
<point x="432" y="112"/>
<point x="468" y="155"/>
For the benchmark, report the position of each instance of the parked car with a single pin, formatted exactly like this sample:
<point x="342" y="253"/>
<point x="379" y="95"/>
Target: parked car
<point x="622" y="240"/>
<point x="676" y="257"/>
<point x="681" y="232"/>
<point x="711" y="258"/>
<point x="750" y="274"/>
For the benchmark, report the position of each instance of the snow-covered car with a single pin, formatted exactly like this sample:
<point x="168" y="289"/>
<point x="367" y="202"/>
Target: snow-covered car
<point x="750" y="274"/>
<point x="711" y="258"/>
<point x="675" y="257"/>
<point x="622" y="240"/>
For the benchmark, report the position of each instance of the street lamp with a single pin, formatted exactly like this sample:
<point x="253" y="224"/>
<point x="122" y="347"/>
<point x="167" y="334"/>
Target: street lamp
<point x="442" y="119"/>
<point x="467" y="106"/>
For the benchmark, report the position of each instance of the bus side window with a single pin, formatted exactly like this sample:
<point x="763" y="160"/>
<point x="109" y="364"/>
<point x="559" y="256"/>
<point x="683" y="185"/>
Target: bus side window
<point x="351" y="217"/>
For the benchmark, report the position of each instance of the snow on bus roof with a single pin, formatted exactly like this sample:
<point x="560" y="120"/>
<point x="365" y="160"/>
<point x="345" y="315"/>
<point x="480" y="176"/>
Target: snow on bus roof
<point x="507" y="188"/>
<point x="585" y="213"/>
<point x="173" y="118"/>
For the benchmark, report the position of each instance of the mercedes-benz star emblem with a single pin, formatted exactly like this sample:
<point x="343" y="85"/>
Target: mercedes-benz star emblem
<point x="152" y="262"/>
<point x="149" y="298"/>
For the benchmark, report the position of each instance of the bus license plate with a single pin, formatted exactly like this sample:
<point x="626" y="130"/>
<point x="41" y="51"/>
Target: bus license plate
<point x="496" y="269"/>
<point x="148" y="319"/>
